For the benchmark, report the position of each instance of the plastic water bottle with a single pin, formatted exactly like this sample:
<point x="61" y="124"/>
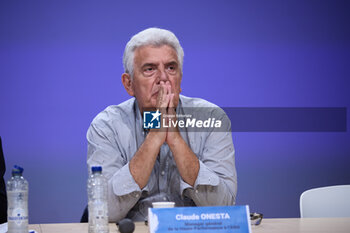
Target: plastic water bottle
<point x="98" y="203"/>
<point x="17" y="202"/>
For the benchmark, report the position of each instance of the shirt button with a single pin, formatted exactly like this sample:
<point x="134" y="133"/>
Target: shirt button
<point x="137" y="195"/>
<point x="164" y="198"/>
<point x="196" y="191"/>
<point x="162" y="173"/>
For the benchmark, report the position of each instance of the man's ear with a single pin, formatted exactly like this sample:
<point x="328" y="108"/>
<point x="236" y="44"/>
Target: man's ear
<point x="127" y="82"/>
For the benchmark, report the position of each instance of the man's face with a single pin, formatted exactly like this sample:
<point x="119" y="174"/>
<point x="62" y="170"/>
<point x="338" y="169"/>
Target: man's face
<point x="151" y="66"/>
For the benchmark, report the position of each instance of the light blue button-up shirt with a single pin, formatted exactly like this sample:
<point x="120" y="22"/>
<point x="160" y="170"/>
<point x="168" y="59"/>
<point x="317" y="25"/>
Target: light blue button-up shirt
<point x="115" y="135"/>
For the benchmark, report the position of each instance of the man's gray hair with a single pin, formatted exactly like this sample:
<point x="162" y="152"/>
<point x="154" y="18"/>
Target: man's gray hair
<point x="151" y="36"/>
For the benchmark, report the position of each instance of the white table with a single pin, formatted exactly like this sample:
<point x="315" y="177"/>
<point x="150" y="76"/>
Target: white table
<point x="278" y="225"/>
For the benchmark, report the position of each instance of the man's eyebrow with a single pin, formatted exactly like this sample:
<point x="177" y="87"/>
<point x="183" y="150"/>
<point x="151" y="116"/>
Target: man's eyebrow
<point x="172" y="63"/>
<point x="148" y="64"/>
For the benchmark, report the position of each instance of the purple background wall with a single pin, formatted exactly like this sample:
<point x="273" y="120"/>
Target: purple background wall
<point x="60" y="64"/>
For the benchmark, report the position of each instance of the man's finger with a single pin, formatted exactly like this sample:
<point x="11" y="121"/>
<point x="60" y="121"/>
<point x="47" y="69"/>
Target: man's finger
<point x="161" y="95"/>
<point x="171" y="103"/>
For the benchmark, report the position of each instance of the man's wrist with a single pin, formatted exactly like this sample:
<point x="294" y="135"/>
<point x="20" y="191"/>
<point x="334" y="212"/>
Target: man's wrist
<point x="155" y="137"/>
<point x="175" y="139"/>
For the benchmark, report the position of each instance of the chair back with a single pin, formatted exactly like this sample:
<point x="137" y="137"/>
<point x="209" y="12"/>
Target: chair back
<point x="326" y="202"/>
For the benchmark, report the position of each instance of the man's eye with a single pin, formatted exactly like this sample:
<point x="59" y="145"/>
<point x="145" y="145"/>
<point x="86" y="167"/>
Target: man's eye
<point x="148" y="69"/>
<point x="172" y="68"/>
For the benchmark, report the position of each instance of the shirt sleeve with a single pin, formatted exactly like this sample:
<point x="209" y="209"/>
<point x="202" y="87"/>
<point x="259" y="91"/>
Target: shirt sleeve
<point x="103" y="150"/>
<point x="216" y="183"/>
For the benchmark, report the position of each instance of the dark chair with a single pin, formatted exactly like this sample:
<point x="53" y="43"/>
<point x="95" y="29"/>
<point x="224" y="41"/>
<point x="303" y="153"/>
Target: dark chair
<point x="3" y="197"/>
<point x="85" y="217"/>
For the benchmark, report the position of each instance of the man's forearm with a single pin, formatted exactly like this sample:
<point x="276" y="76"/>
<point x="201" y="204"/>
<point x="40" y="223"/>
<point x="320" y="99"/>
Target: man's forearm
<point x="186" y="161"/>
<point x="141" y="165"/>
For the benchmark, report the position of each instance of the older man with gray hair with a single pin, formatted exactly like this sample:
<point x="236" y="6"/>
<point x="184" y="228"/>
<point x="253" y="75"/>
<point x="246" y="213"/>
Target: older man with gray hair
<point x="144" y="166"/>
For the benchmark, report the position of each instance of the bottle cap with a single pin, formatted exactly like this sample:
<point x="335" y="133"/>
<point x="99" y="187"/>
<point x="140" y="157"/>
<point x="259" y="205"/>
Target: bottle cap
<point x="17" y="170"/>
<point x="96" y="169"/>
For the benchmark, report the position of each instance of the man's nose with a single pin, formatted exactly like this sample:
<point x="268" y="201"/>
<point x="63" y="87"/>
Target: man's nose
<point x="163" y="76"/>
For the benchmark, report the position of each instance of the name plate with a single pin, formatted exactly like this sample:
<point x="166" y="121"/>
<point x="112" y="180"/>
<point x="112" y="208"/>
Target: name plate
<point x="214" y="219"/>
